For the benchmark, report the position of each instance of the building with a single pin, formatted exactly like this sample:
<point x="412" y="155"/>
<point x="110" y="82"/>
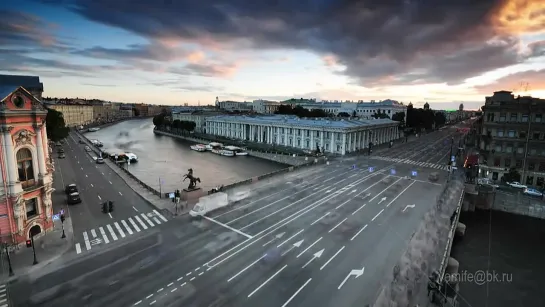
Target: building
<point x="75" y="114"/>
<point x="265" y="106"/>
<point x="196" y="116"/>
<point x="513" y="136"/>
<point x="31" y="83"/>
<point x="25" y="192"/>
<point x="155" y="110"/>
<point x="141" y="109"/>
<point x="333" y="136"/>
<point x="103" y="111"/>
<point x="360" y="109"/>
<point x="234" y="106"/>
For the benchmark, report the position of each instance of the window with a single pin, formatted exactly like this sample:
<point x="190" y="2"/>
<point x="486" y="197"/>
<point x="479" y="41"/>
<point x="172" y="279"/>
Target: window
<point x="539" y="118"/>
<point x="531" y="166"/>
<point x="529" y="180"/>
<point x="511" y="133"/>
<point x="533" y="152"/>
<point x="535" y="135"/>
<point x="542" y="167"/>
<point x="31" y="207"/>
<point x="513" y="117"/>
<point x="519" y="163"/>
<point x="507" y="162"/>
<point x="520" y="150"/>
<point x="499" y="133"/>
<point x="497" y="161"/>
<point x="525" y="118"/>
<point x="502" y="117"/>
<point x="522" y="134"/>
<point x="498" y="148"/>
<point x="24" y="167"/>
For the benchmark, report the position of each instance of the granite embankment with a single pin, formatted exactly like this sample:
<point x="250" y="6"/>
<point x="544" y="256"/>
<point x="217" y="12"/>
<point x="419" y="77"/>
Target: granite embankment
<point x="108" y="124"/>
<point x="289" y="159"/>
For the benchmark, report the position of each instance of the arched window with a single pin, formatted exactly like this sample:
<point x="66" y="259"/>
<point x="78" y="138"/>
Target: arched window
<point x="24" y="167"/>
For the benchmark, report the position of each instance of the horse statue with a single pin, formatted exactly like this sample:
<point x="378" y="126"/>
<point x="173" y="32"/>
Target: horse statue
<point x="192" y="180"/>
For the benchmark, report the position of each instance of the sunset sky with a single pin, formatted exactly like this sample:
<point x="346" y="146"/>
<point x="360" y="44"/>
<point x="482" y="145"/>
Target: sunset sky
<point x="189" y="51"/>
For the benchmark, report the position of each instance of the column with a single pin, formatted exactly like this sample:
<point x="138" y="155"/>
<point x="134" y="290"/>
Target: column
<point x="322" y="144"/>
<point x="10" y="155"/>
<point x="285" y="133"/>
<point x="40" y="150"/>
<point x="332" y="146"/>
<point x="349" y="144"/>
<point x="312" y="144"/>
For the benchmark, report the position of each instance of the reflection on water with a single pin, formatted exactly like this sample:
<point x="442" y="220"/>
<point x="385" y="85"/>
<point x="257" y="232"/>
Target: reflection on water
<point x="168" y="159"/>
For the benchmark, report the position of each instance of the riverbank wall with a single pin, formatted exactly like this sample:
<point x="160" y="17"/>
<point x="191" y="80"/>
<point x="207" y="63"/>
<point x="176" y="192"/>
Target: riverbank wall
<point x="280" y="157"/>
<point x="105" y="125"/>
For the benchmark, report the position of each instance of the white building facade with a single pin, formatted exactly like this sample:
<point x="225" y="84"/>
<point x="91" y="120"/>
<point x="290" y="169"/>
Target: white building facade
<point x="361" y="109"/>
<point x="331" y="136"/>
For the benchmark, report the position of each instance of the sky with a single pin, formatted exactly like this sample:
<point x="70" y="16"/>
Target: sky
<point x="173" y="52"/>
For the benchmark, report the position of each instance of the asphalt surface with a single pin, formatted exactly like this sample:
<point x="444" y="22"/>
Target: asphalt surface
<point x="97" y="183"/>
<point x="330" y="237"/>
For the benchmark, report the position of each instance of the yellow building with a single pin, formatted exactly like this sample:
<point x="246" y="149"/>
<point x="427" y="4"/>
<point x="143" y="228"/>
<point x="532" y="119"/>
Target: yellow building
<point x="103" y="112"/>
<point x="75" y="114"/>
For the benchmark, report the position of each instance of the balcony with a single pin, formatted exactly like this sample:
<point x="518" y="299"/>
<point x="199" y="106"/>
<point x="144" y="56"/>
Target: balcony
<point x="32" y="185"/>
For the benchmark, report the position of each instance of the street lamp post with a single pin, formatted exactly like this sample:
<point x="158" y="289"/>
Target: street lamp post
<point x="63" y="233"/>
<point x="9" y="259"/>
<point x="33" y="250"/>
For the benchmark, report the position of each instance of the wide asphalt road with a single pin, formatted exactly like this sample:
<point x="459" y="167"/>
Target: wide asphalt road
<point x="327" y="236"/>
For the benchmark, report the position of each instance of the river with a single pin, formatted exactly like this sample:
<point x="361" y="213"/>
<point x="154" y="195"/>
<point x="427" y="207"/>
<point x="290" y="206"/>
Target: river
<point x="168" y="159"/>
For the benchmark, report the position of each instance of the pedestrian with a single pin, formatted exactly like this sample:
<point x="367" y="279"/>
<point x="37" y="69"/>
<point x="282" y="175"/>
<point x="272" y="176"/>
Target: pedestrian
<point x="177" y="196"/>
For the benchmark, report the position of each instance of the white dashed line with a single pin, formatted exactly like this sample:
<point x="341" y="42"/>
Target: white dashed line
<point x="99" y="197"/>
<point x="120" y="193"/>
<point x="110" y="182"/>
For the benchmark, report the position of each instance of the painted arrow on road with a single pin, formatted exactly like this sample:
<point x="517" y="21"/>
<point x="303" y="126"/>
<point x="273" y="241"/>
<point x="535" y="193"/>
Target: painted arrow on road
<point x="296" y="244"/>
<point x="383" y="199"/>
<point x="314" y="257"/>
<point x="356" y="273"/>
<point x="408" y="206"/>
<point x="278" y="236"/>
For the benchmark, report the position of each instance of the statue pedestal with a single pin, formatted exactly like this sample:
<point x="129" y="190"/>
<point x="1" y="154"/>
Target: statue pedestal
<point x="192" y="195"/>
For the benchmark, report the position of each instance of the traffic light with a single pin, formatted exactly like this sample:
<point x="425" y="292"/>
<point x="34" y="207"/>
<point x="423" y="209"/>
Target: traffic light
<point x="28" y="243"/>
<point x="62" y="218"/>
<point x="110" y="206"/>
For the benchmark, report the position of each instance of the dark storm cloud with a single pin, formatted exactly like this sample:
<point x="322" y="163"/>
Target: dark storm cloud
<point x="379" y="41"/>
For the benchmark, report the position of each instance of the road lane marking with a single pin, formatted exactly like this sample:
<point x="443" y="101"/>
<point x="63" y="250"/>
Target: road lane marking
<point x="246" y="268"/>
<point x="183" y="284"/>
<point x="147" y="220"/>
<point x="110" y="215"/>
<point x="120" y="193"/>
<point x="359" y="231"/>
<point x="116" y="224"/>
<point x="197" y="269"/>
<point x="134" y="224"/>
<point x="102" y="173"/>
<point x="147" y="297"/>
<point x="296" y="292"/>
<point x="78" y="248"/>
<point x="99" y="197"/>
<point x="159" y="215"/>
<point x="173" y="290"/>
<point x="170" y="284"/>
<point x="110" y="182"/>
<point x="92" y="186"/>
<point x="160" y="290"/>
<point x="153" y="302"/>
<point x="306" y="249"/>
<point x="266" y="281"/>
<point x="129" y="230"/>
<point x="156" y="220"/>
<point x="361" y="207"/>
<point x="201" y="273"/>
<point x="374" y="218"/>
<point x="228" y="227"/>
<point x="103" y="233"/>
<point x="86" y="176"/>
<point x="388" y="205"/>
<point x="135" y="208"/>
<point x="337" y="225"/>
<point x="290" y="238"/>
<point x="327" y="213"/>
<point x="188" y="273"/>
<point x="137" y="302"/>
<point x="332" y="257"/>
<point x="180" y="278"/>
<point x="192" y="278"/>
<point x="112" y="233"/>
<point x="86" y="239"/>
<point x="93" y="233"/>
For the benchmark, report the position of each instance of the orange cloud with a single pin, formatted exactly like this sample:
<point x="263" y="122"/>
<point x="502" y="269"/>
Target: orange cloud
<point x="535" y="79"/>
<point x="195" y="57"/>
<point x="330" y="60"/>
<point x="520" y="16"/>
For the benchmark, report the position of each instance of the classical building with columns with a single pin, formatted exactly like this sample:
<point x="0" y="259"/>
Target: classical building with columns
<point x="26" y="182"/>
<point x="333" y="136"/>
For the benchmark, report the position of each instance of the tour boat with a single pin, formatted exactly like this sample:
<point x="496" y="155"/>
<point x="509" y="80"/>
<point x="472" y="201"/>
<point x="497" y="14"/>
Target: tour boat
<point x="198" y="147"/>
<point x="214" y="145"/>
<point x="218" y="149"/>
<point x="236" y="150"/>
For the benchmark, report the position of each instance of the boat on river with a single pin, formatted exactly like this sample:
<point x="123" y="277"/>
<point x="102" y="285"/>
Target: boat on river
<point x="198" y="147"/>
<point x="236" y="150"/>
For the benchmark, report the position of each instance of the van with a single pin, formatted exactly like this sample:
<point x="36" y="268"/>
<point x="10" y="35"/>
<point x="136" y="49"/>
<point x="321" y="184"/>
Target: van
<point x="208" y="204"/>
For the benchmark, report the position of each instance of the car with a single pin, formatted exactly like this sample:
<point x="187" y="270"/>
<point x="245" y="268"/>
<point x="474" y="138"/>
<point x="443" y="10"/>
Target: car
<point x="533" y="192"/>
<point x="71" y="188"/>
<point x="87" y="149"/>
<point x="516" y="185"/>
<point x="487" y="182"/>
<point x="100" y="160"/>
<point x="62" y="155"/>
<point x="73" y="198"/>
<point x="58" y="144"/>
<point x="81" y="141"/>
<point x="60" y="150"/>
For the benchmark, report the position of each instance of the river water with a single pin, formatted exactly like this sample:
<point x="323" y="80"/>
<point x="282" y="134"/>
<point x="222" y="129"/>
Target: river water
<point x="168" y="159"/>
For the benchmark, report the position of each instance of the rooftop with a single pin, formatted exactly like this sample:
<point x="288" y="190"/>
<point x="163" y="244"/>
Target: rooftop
<point x="309" y="122"/>
<point x="28" y="82"/>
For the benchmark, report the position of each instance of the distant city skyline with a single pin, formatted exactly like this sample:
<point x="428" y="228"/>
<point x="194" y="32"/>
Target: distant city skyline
<point x="191" y="52"/>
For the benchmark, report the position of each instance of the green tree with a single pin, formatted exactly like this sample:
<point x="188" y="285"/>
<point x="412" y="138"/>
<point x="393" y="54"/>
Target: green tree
<point x="159" y="120"/>
<point x="136" y="112"/>
<point x="399" y="117"/>
<point x="56" y="127"/>
<point x="177" y="125"/>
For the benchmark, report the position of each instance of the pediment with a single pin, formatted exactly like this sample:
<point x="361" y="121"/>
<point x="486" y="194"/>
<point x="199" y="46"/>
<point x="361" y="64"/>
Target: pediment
<point x="21" y="100"/>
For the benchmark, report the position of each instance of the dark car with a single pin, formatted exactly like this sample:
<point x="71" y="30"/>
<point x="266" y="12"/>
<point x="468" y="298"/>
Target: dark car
<point x="81" y="141"/>
<point x="71" y="188"/>
<point x="73" y="198"/>
<point x="60" y="150"/>
<point x="62" y="155"/>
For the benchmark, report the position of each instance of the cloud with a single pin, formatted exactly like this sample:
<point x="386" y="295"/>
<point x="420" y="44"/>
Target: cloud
<point x="207" y="69"/>
<point x="534" y="78"/>
<point x="378" y="42"/>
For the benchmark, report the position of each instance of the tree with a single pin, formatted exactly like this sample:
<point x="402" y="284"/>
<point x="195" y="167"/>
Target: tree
<point x="440" y="119"/>
<point x="380" y="115"/>
<point x="343" y="114"/>
<point x="136" y="112"/>
<point x="299" y="111"/>
<point x="159" y="120"/>
<point x="177" y="124"/>
<point x="56" y="127"/>
<point x="399" y="117"/>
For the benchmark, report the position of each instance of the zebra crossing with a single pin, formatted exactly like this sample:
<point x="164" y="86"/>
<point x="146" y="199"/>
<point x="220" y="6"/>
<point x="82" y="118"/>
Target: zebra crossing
<point x="417" y="163"/>
<point x="3" y="296"/>
<point x="119" y="229"/>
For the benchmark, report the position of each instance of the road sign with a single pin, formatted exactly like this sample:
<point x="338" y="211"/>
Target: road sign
<point x="56" y="217"/>
<point x="371" y="169"/>
<point x="453" y="158"/>
<point x="393" y="171"/>
<point x="414" y="173"/>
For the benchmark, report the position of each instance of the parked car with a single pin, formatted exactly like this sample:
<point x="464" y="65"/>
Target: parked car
<point x="62" y="155"/>
<point x="100" y="160"/>
<point x="60" y="150"/>
<point x="73" y="198"/>
<point x="87" y="149"/>
<point x="71" y="188"/>
<point x="487" y="182"/>
<point x="81" y="141"/>
<point x="517" y="185"/>
<point x="533" y="192"/>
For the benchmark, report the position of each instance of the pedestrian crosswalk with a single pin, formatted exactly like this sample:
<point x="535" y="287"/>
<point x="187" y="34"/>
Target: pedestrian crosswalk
<point x="119" y="230"/>
<point x="417" y="163"/>
<point x="3" y="296"/>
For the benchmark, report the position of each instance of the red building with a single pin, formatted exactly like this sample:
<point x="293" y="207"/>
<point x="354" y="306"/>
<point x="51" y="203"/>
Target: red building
<point x="26" y="181"/>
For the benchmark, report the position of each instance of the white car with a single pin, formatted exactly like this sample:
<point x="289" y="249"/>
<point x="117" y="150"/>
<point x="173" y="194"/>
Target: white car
<point x="488" y="182"/>
<point x="532" y="192"/>
<point x="517" y="185"/>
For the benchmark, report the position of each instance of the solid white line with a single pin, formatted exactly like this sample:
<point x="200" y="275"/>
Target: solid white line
<point x="337" y="225"/>
<point x="374" y="218"/>
<point x="306" y="249"/>
<point x="134" y="225"/>
<point x="388" y="205"/>
<point x="103" y="233"/>
<point x="127" y="228"/>
<point x="290" y="238"/>
<point x="99" y="197"/>
<point x="121" y="232"/>
<point x="135" y="209"/>
<point x="270" y="241"/>
<point x="319" y="219"/>
<point x="359" y="231"/>
<point x="110" y="215"/>
<point x="159" y="215"/>
<point x="78" y="248"/>
<point x="266" y="281"/>
<point x="147" y="220"/>
<point x="296" y="292"/>
<point x="243" y="270"/>
<point x="112" y="233"/>
<point x="86" y="238"/>
<point x="332" y="257"/>
<point x="228" y="227"/>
